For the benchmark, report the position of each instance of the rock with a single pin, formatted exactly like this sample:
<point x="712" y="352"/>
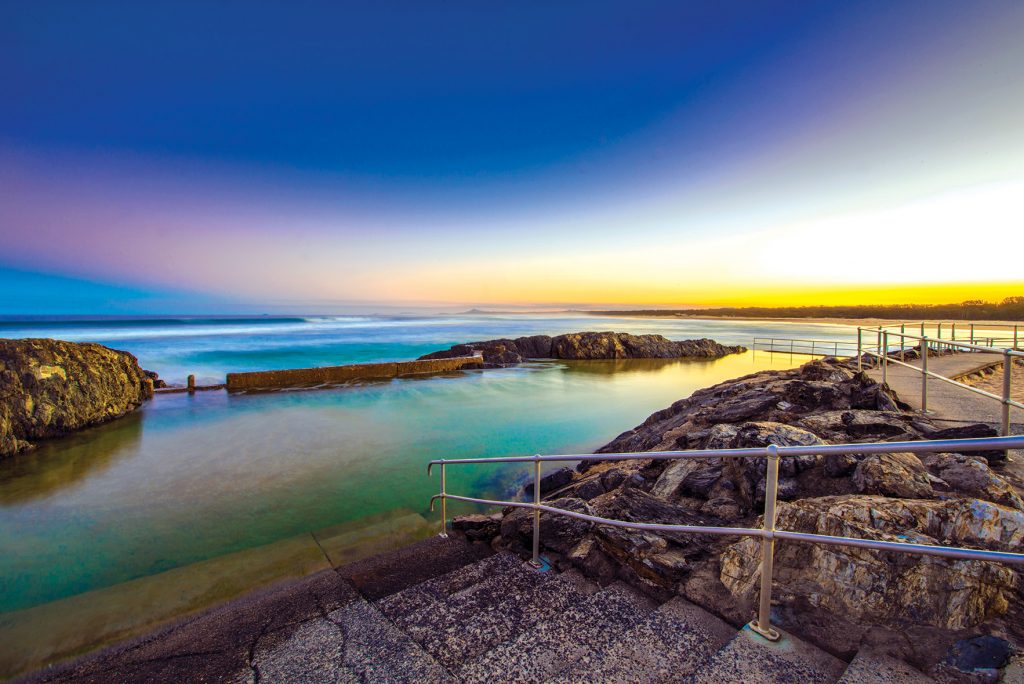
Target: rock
<point x="899" y="474"/>
<point x="478" y="527"/>
<point x="552" y="481"/>
<point x="973" y="431"/>
<point x="983" y="652"/>
<point x="592" y="561"/>
<point x="157" y="382"/>
<point x="587" y="488"/>
<point x="887" y="588"/>
<point x="586" y="345"/>
<point x="688" y="476"/>
<point x="557" y="532"/>
<point x="49" y="388"/>
<point x="860" y="425"/>
<point x="971" y="476"/>
<point x="840" y="465"/>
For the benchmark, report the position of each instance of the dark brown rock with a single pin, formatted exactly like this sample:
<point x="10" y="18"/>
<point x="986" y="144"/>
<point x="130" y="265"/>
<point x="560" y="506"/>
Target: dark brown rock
<point x="552" y="481"/>
<point x="557" y="532"/>
<point x="586" y="345"/>
<point x="49" y="388"/>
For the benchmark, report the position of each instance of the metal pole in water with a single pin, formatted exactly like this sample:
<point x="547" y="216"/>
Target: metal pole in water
<point x="860" y="356"/>
<point x="536" y="513"/>
<point x="903" y="341"/>
<point x="924" y="374"/>
<point x="763" y="624"/>
<point x="972" y="333"/>
<point x="1015" y="337"/>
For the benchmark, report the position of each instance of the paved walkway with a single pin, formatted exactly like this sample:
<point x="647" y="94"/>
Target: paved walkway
<point x="949" y="403"/>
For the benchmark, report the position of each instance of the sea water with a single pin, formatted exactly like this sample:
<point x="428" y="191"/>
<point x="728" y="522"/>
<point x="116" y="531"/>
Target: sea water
<point x="190" y="477"/>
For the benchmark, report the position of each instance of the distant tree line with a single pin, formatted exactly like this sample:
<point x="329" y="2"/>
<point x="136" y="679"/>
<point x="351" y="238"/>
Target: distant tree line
<point x="1010" y="309"/>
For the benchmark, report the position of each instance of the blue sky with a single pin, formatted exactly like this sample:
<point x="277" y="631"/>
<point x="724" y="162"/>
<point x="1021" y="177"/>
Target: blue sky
<point x="320" y="154"/>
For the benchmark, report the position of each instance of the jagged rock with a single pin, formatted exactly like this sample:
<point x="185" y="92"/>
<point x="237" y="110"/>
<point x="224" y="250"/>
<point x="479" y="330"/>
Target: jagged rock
<point x="899" y="474"/>
<point x="49" y="388"/>
<point x="478" y="527"/>
<point x="557" y="532"/>
<point x="887" y="588"/>
<point x="552" y="481"/>
<point x="840" y="465"/>
<point x="586" y="345"/>
<point x="973" y="431"/>
<point x="860" y="425"/>
<point x="971" y="476"/>
<point x="983" y="652"/>
<point x="688" y="476"/>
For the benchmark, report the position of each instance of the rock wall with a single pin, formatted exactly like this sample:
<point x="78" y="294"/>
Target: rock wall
<point x="586" y="346"/>
<point x="328" y="375"/>
<point x="49" y="388"/>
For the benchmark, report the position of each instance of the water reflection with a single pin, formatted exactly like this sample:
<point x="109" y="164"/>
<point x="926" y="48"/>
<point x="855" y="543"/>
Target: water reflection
<point x="58" y="464"/>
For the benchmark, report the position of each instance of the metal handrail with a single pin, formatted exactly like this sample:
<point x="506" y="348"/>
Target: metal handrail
<point x="767" y="532"/>
<point x="803" y="346"/>
<point x="883" y="355"/>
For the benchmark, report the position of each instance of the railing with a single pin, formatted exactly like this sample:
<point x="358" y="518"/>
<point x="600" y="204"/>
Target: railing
<point x="787" y="345"/>
<point x="767" y="532"/>
<point x="883" y="353"/>
<point x="1010" y="334"/>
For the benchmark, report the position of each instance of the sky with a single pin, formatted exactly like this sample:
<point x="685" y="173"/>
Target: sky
<point x="317" y="157"/>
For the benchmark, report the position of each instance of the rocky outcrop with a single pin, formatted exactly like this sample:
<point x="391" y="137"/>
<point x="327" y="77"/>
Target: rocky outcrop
<point x="49" y="388"/>
<point x="846" y="593"/>
<point x="586" y="346"/>
<point x="894" y="589"/>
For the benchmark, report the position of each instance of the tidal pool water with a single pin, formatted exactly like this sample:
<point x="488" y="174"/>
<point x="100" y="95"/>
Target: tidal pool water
<point x="192" y="477"/>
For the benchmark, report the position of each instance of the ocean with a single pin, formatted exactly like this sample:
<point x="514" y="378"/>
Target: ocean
<point x="190" y="477"/>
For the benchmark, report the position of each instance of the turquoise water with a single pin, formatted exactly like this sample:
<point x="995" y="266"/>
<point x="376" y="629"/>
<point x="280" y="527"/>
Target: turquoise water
<point x="209" y="348"/>
<point x="192" y="477"/>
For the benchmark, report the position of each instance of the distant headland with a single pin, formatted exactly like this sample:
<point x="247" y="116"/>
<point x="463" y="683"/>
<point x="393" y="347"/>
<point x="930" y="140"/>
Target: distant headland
<point x="1010" y="309"/>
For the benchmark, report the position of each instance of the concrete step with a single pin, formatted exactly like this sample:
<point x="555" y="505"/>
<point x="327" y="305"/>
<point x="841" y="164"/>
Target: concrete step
<point x="501" y="615"/>
<point x="434" y="590"/>
<point x="557" y="643"/>
<point x="394" y="571"/>
<point x="486" y="594"/>
<point x="355" y="643"/>
<point x="673" y="642"/>
<point x="871" y="667"/>
<point x="749" y="657"/>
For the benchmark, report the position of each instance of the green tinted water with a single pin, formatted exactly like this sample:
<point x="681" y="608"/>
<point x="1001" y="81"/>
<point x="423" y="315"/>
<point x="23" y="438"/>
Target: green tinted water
<point x="192" y="477"/>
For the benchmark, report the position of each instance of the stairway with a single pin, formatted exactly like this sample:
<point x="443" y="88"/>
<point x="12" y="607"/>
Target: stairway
<point x="496" y="619"/>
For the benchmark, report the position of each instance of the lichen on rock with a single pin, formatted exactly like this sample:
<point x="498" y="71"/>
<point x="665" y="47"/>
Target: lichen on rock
<point x="49" y="388"/>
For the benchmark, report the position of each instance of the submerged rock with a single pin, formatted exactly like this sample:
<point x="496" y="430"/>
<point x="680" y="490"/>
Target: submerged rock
<point x="49" y="388"/>
<point x="587" y="346"/>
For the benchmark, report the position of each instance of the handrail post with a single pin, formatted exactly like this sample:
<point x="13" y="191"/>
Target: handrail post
<point x="444" y="503"/>
<point x="972" y="334"/>
<point x="878" y="347"/>
<point x="1007" y="375"/>
<point x="885" y="358"/>
<point x="535" y="561"/>
<point x="860" y="355"/>
<point x="763" y="624"/>
<point x="924" y="374"/>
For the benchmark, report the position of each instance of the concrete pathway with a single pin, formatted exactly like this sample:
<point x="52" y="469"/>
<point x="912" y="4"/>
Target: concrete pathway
<point x="946" y="402"/>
